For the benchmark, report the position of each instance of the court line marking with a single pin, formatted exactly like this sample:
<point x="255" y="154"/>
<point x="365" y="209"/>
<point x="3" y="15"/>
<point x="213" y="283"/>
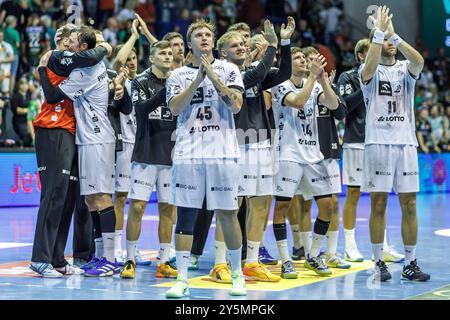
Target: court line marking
<point x="7" y="245"/>
<point x="426" y="292"/>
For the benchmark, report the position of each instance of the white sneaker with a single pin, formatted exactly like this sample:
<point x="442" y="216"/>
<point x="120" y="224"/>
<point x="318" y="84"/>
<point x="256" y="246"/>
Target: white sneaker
<point x="334" y="261"/>
<point x="193" y="263"/>
<point x="238" y="287"/>
<point x="70" y="269"/>
<point x="179" y="290"/>
<point x="45" y="270"/>
<point x="390" y="255"/>
<point x="352" y="254"/>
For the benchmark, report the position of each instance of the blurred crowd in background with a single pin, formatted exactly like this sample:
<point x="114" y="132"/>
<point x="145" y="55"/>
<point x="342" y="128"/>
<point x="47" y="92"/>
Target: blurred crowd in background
<point x="27" y="29"/>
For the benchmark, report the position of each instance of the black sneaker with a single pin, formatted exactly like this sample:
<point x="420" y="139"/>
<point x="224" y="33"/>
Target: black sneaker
<point x="298" y="254"/>
<point x="382" y="272"/>
<point x="412" y="272"/>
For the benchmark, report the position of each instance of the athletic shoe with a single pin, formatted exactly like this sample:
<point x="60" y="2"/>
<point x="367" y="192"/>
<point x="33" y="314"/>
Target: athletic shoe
<point x="139" y="260"/>
<point x="412" y="272"/>
<point x="103" y="269"/>
<point x="266" y="258"/>
<point x="193" y="263"/>
<point x="120" y="258"/>
<point x="317" y="265"/>
<point x="79" y="262"/>
<point x="258" y="272"/>
<point x="179" y="290"/>
<point x="129" y="270"/>
<point x="69" y="270"/>
<point x="382" y="272"/>
<point x="45" y="270"/>
<point x="390" y="255"/>
<point x="238" y="285"/>
<point x="336" y="262"/>
<point x="288" y="270"/>
<point x="220" y="273"/>
<point x="91" y="264"/>
<point x="298" y="254"/>
<point x="165" y="270"/>
<point x="352" y="254"/>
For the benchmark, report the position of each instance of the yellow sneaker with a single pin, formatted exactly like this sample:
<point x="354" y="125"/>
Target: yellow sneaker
<point x="129" y="270"/>
<point x="165" y="270"/>
<point x="220" y="273"/>
<point x="258" y="272"/>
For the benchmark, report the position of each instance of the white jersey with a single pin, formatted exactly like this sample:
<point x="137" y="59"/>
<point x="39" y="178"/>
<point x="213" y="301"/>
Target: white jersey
<point x="88" y="89"/>
<point x="5" y="52"/>
<point x="389" y="99"/>
<point x="205" y="129"/>
<point x="297" y="138"/>
<point x="128" y="121"/>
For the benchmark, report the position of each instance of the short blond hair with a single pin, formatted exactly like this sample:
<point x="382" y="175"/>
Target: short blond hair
<point x="241" y="26"/>
<point x="361" y="46"/>
<point x="198" y="25"/>
<point x="295" y="50"/>
<point x="227" y="37"/>
<point x="309" y="51"/>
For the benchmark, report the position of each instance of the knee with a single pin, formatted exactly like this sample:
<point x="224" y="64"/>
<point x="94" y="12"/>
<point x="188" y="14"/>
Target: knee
<point x="91" y="203"/>
<point x="353" y="194"/>
<point x="306" y="206"/>
<point x="138" y="208"/>
<point x="379" y="205"/>
<point x="335" y="203"/>
<point x="409" y="203"/>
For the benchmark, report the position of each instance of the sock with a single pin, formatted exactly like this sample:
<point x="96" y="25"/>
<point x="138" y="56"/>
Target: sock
<point x="235" y="260"/>
<point x="262" y="243"/>
<point x="131" y="250"/>
<point x="182" y="263"/>
<point x="252" y="251"/>
<point x="410" y="254"/>
<point x="221" y="253"/>
<point x="296" y="236"/>
<point x="377" y="251"/>
<point x="284" y="250"/>
<point x="350" y="241"/>
<point x="320" y="230"/>
<point x="164" y="252"/>
<point x="118" y="243"/>
<point x="385" y="243"/>
<point x="307" y="241"/>
<point x="108" y="245"/>
<point x="332" y="237"/>
<point x="98" y="247"/>
<point x="108" y="225"/>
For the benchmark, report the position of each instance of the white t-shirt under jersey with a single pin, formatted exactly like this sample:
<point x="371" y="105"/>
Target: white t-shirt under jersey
<point x="128" y="121"/>
<point x="88" y="89"/>
<point x="389" y="99"/>
<point x="297" y="138"/>
<point x="205" y="129"/>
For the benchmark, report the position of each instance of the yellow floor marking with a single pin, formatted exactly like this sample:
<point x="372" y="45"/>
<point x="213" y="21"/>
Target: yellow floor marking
<point x="305" y="277"/>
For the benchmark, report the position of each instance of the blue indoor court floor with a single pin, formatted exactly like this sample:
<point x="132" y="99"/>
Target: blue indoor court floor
<point x="18" y="282"/>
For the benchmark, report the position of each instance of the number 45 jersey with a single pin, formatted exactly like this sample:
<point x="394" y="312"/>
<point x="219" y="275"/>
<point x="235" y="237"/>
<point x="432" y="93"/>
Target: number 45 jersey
<point x="205" y="128"/>
<point x="296" y="137"/>
<point x="389" y="99"/>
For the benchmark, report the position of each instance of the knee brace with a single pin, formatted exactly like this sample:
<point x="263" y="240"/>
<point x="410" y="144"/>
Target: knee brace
<point x="186" y="218"/>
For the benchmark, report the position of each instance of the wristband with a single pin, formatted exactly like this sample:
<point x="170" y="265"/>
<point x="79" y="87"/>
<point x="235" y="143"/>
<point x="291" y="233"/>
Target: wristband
<point x="378" y="37"/>
<point x="395" y="40"/>
<point x="285" y="42"/>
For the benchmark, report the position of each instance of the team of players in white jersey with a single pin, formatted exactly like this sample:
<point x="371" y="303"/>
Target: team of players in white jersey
<point x="209" y="163"/>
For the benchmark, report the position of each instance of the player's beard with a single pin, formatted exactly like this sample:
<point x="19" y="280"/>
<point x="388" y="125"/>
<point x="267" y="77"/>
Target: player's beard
<point x="388" y="53"/>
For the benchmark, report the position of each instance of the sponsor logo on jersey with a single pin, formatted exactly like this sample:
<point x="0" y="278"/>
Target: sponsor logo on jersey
<point x="96" y="129"/>
<point x="307" y="142"/>
<point x="383" y="173"/>
<point x="204" y="129"/>
<point x="384" y="88"/>
<point x="142" y="182"/>
<point x="185" y="186"/>
<point x="318" y="179"/>
<point x="198" y="97"/>
<point x="391" y="119"/>
<point x="285" y="179"/>
<point x="66" y="61"/>
<point x="58" y="108"/>
<point x="240" y="189"/>
<point x="102" y="76"/>
<point x="412" y="173"/>
<point x="232" y="76"/>
<point x="348" y="89"/>
<point x="221" y="188"/>
<point x="134" y="95"/>
<point x="324" y="111"/>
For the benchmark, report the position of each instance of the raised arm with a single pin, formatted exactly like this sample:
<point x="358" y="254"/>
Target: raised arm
<point x="125" y="51"/>
<point x="231" y="96"/>
<point x="374" y="53"/>
<point x="299" y="99"/>
<point x="144" y="30"/>
<point x="182" y="98"/>
<point x="328" y="98"/>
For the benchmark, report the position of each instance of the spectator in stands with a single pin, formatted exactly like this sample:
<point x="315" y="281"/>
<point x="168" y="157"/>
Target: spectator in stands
<point x="12" y="36"/>
<point x="6" y="59"/>
<point x="425" y="139"/>
<point x="182" y="22"/>
<point x="105" y="10"/>
<point x="110" y="33"/>
<point x="19" y="107"/>
<point x="329" y="17"/>
<point x="146" y="9"/>
<point x="439" y="125"/>
<point x="36" y="42"/>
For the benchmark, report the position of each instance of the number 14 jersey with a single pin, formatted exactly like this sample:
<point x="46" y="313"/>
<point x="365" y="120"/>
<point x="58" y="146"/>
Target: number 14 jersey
<point x="296" y="137"/>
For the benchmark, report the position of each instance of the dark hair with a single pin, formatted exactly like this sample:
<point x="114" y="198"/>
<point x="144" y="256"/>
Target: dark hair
<point x="86" y="35"/>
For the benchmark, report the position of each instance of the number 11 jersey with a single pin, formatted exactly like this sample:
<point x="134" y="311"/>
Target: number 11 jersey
<point x="389" y="99"/>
